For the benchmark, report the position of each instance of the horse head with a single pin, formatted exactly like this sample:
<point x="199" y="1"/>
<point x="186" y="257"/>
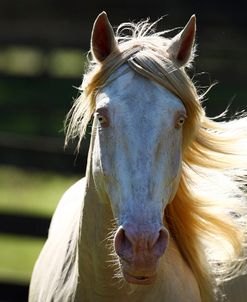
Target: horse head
<point x="137" y="151"/>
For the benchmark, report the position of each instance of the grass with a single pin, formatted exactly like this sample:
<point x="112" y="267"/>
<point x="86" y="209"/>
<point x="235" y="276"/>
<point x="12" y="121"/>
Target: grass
<point x="29" y="192"/>
<point x="17" y="257"/>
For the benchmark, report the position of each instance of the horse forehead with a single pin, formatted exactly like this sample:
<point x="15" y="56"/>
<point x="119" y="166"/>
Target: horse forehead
<point x="131" y="89"/>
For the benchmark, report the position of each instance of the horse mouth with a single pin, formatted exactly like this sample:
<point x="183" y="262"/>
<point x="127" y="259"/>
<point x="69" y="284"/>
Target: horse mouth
<point x="141" y="280"/>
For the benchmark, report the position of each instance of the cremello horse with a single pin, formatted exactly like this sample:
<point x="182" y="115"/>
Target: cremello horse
<point x="160" y="215"/>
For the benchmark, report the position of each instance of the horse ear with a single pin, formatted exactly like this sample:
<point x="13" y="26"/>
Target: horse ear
<point x="103" y="40"/>
<point x="181" y="49"/>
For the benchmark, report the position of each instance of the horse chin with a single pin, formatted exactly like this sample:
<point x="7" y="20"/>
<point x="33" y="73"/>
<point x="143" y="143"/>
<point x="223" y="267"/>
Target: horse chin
<point x="138" y="276"/>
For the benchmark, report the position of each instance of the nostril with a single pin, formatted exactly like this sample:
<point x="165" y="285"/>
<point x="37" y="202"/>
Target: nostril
<point x="126" y="245"/>
<point x="122" y="244"/>
<point x="161" y="243"/>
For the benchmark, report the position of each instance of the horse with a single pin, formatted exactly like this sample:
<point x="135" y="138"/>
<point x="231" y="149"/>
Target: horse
<point x="161" y="213"/>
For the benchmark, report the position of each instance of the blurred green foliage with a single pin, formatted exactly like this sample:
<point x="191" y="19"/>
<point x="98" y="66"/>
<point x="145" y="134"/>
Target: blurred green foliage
<point x="29" y="61"/>
<point x="21" y="61"/>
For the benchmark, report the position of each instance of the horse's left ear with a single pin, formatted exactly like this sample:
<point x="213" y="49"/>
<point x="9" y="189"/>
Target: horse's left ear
<point x="103" y="40"/>
<point x="181" y="49"/>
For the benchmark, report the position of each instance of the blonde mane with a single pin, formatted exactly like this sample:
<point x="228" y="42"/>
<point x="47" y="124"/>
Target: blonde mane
<point x="207" y="217"/>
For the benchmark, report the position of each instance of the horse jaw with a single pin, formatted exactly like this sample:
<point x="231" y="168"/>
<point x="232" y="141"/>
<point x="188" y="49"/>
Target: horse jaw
<point x="136" y="164"/>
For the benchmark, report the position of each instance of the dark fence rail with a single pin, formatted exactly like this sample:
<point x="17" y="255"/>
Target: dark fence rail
<point x="24" y="225"/>
<point x="10" y="292"/>
<point x="40" y="152"/>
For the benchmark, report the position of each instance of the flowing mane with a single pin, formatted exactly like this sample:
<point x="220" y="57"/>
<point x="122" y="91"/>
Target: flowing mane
<point x="207" y="218"/>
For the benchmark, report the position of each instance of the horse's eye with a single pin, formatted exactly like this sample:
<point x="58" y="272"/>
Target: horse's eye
<point x="103" y="120"/>
<point x="180" y="121"/>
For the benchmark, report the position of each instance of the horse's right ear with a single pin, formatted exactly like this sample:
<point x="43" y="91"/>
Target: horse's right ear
<point x="103" y="40"/>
